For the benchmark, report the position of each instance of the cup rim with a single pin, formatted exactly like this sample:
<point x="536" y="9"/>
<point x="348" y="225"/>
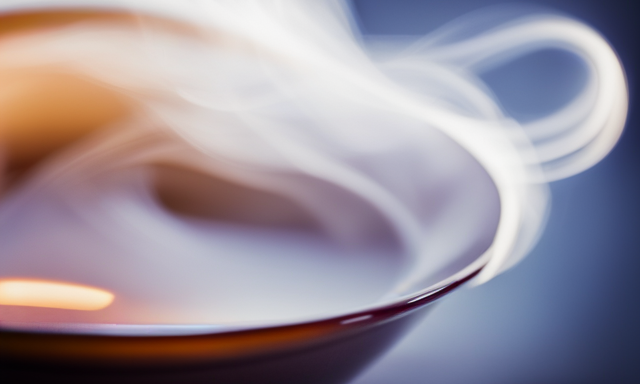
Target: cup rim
<point x="136" y="350"/>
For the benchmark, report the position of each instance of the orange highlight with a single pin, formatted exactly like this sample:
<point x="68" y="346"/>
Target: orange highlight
<point x="51" y="294"/>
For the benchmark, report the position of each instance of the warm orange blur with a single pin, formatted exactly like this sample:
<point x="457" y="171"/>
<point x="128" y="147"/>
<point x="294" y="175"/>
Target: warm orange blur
<point x="51" y="294"/>
<point x="42" y="110"/>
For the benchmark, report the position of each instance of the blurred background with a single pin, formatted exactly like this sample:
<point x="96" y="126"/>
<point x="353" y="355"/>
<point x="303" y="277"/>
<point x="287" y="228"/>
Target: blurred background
<point x="570" y="312"/>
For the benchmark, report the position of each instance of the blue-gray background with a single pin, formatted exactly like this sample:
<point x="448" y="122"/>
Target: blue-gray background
<point x="570" y="312"/>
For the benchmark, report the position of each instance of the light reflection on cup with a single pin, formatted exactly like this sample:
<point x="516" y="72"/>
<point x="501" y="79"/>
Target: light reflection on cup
<point x="49" y="294"/>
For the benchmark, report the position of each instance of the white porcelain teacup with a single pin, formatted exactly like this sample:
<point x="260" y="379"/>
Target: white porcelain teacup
<point x="183" y="201"/>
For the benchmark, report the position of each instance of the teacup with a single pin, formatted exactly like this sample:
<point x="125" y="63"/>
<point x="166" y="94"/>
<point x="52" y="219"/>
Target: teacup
<point x="311" y="319"/>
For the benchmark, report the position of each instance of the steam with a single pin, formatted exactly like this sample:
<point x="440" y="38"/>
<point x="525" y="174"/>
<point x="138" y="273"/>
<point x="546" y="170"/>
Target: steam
<point x="409" y="158"/>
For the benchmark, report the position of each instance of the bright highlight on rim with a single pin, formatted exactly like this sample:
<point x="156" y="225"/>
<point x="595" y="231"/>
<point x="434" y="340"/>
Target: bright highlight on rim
<point x="53" y="294"/>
